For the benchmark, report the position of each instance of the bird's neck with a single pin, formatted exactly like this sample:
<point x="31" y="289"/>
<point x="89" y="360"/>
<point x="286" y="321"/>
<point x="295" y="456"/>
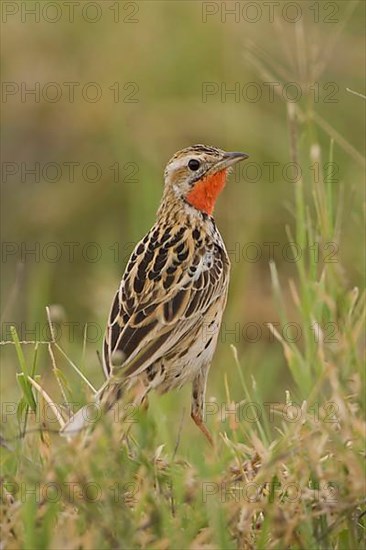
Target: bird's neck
<point x="178" y="210"/>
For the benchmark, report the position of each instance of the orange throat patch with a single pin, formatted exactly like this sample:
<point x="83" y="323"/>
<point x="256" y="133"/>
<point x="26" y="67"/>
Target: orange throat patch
<point x="205" y="192"/>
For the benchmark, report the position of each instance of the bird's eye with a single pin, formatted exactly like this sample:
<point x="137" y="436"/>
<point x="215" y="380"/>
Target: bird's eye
<point x="194" y="164"/>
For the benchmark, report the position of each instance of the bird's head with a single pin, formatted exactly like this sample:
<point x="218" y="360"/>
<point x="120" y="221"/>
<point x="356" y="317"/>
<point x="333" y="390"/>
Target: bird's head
<point x="198" y="174"/>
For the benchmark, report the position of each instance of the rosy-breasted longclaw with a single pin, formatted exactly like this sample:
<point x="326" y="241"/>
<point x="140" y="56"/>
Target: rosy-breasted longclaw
<point x="166" y="315"/>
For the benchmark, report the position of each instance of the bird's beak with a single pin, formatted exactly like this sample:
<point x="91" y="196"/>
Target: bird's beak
<point x="229" y="159"/>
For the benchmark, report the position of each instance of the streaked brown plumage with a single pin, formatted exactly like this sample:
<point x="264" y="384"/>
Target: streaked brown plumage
<point x="166" y="315"/>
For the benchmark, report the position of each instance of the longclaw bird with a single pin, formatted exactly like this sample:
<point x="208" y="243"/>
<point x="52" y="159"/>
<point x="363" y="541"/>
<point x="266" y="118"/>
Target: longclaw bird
<point x="166" y="315"/>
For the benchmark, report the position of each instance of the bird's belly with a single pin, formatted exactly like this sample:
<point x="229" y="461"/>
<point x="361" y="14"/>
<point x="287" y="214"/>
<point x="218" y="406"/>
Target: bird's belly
<point x="193" y="351"/>
<point x="183" y="366"/>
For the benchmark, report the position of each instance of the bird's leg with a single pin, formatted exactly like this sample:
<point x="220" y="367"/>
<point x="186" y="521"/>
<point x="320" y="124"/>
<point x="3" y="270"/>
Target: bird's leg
<point x="199" y="422"/>
<point x="198" y="402"/>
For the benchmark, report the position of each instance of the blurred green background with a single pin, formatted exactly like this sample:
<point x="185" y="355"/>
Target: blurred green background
<point x="162" y="55"/>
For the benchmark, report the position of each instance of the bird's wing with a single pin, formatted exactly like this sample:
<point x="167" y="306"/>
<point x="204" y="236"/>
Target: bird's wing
<point x="171" y="279"/>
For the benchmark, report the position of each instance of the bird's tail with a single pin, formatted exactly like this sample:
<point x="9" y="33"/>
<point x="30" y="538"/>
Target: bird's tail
<point x="79" y="421"/>
<point x="87" y="416"/>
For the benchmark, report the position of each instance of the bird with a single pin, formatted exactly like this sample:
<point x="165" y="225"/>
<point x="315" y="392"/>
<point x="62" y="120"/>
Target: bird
<point x="165" y="318"/>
